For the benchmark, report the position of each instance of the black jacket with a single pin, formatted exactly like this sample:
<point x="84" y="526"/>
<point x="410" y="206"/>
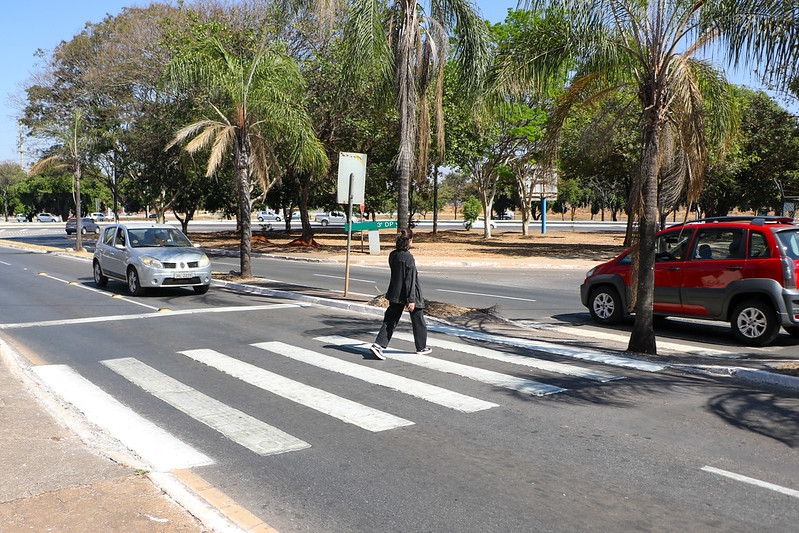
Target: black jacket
<point x="404" y="285"/>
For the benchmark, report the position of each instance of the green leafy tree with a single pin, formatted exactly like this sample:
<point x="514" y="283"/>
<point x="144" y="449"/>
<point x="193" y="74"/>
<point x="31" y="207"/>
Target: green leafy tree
<point x="650" y="46"/>
<point x="471" y="210"/>
<point x="10" y="174"/>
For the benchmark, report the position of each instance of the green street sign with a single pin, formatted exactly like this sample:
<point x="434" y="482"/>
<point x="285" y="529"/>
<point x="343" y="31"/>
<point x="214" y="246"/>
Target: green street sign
<point x="377" y="224"/>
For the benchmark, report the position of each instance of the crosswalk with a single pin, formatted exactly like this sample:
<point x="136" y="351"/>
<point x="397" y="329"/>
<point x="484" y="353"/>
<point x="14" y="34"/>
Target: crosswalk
<point x="462" y="361"/>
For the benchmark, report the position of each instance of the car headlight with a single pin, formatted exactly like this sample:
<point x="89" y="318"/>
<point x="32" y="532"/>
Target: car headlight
<point x="151" y="262"/>
<point x="590" y="272"/>
<point x="204" y="261"/>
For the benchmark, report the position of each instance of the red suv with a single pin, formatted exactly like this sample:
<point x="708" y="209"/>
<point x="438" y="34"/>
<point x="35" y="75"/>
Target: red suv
<point x="736" y="269"/>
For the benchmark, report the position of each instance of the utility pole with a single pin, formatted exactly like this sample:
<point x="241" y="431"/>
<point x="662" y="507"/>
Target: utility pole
<point x="21" y="150"/>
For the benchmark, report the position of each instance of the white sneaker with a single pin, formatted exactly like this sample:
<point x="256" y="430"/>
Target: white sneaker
<point x="377" y="351"/>
<point x="425" y="351"/>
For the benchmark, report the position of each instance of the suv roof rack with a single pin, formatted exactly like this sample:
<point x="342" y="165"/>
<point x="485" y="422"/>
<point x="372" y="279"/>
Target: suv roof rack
<point x="755" y="220"/>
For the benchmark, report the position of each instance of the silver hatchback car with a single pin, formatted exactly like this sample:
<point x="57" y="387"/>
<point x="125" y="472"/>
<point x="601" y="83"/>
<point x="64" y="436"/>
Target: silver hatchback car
<point x="148" y="255"/>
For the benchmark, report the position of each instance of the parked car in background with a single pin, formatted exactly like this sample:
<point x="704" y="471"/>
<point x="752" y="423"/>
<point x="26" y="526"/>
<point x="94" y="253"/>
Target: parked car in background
<point x="331" y="217"/>
<point x="48" y="217"/>
<point x="99" y="217"/>
<point x="87" y="225"/>
<point x="268" y="216"/>
<point x="146" y="255"/>
<point x="21" y="217"/>
<point x="507" y="215"/>
<point x="737" y="269"/>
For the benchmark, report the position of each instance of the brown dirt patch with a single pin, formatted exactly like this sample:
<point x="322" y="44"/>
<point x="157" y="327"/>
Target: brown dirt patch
<point x="448" y="244"/>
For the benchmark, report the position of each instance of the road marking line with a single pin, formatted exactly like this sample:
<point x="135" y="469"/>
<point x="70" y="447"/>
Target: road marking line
<point x="550" y="347"/>
<point x="112" y="318"/>
<point x="4" y="263"/>
<point x="161" y="449"/>
<point x="752" y="481"/>
<point x="93" y="289"/>
<point x="532" y="362"/>
<point x="525" y="386"/>
<point x="431" y="393"/>
<point x="239" y="427"/>
<point x="342" y="277"/>
<point x="322" y="401"/>
<point x="488" y="295"/>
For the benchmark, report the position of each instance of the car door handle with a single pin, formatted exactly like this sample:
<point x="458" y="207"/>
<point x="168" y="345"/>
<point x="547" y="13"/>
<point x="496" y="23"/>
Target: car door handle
<point x="734" y="268"/>
<point x="672" y="268"/>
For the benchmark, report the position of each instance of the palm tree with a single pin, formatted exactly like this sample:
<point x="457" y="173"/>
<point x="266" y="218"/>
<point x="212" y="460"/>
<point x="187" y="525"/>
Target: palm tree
<point x="651" y="47"/>
<point x="258" y="102"/>
<point x="69" y="151"/>
<point x="407" y="41"/>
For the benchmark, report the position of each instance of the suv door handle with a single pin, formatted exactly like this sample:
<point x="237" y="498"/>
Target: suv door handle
<point x="672" y="268"/>
<point x="734" y="268"/>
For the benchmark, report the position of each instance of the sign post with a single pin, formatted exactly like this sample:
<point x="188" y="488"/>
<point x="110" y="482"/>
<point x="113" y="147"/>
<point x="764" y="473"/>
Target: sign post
<point x="351" y="188"/>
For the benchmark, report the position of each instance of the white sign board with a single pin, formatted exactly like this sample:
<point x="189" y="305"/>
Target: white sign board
<point x="350" y="163"/>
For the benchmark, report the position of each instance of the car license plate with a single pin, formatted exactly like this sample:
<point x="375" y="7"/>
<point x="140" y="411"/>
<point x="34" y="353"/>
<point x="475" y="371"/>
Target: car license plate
<point x="182" y="275"/>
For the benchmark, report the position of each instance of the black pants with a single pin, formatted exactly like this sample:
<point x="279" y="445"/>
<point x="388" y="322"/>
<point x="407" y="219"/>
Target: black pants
<point x="392" y="317"/>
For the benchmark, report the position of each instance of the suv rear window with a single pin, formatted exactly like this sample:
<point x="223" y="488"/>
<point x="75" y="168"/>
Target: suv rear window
<point x="720" y="243"/>
<point x="789" y="241"/>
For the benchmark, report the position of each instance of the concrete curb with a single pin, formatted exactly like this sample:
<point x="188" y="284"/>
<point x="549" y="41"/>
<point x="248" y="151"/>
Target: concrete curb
<point x="752" y="375"/>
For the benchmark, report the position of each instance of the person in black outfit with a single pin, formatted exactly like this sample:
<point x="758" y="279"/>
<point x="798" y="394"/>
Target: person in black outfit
<point x="403" y="290"/>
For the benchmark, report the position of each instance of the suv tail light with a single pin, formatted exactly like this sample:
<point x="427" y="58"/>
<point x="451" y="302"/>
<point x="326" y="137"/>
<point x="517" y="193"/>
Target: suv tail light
<point x="788" y="272"/>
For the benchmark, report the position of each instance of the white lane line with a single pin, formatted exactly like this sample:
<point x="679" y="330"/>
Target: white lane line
<point x="324" y="402"/>
<point x="239" y="427"/>
<point x="342" y="277"/>
<point x="158" y="447"/>
<point x="431" y="393"/>
<point x="113" y="318"/>
<point x="683" y="348"/>
<point x="488" y="295"/>
<point x="532" y="362"/>
<point x="551" y="347"/>
<point x="497" y="379"/>
<point x="4" y="263"/>
<point x="752" y="481"/>
<point x="105" y="293"/>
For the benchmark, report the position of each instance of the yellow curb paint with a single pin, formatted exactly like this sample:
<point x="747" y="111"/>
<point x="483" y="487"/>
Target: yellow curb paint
<point x="42" y="273"/>
<point x="237" y="514"/>
<point x="73" y="282"/>
<point x="117" y="296"/>
<point x="164" y="310"/>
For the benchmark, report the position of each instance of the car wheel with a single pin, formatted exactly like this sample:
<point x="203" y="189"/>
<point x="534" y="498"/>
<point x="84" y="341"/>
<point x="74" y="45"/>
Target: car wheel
<point x="83" y="230"/>
<point x="755" y="323"/>
<point x="99" y="279"/>
<point x="260" y="219"/>
<point x="605" y="306"/>
<point x="201" y="289"/>
<point x="278" y="219"/>
<point x="325" y="222"/>
<point x="134" y="283"/>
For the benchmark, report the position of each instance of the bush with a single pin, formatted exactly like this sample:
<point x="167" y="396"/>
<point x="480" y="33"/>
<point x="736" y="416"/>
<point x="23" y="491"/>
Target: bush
<point x="471" y="210"/>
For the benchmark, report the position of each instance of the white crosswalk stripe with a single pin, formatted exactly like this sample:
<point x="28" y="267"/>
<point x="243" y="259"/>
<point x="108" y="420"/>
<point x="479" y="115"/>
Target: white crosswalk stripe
<point x="431" y="393"/>
<point x="553" y="348"/>
<point x="322" y="401"/>
<point x="239" y="427"/>
<point x="525" y="386"/>
<point x="532" y="362"/>
<point x="161" y="449"/>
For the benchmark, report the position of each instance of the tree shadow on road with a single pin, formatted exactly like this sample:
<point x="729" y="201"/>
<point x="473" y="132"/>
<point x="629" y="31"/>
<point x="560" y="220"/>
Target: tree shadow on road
<point x="763" y="412"/>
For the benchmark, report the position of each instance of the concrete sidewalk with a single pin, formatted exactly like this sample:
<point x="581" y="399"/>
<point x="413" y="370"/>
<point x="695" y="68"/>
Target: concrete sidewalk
<point x="54" y="481"/>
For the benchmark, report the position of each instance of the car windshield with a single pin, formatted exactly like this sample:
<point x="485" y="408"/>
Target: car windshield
<point x="148" y="237"/>
<point x="789" y="241"/>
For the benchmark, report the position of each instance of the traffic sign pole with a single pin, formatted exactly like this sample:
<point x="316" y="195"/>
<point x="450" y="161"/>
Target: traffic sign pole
<point x="349" y="237"/>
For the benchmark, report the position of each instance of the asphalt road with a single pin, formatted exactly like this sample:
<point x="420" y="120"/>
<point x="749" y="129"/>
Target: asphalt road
<point x="653" y="449"/>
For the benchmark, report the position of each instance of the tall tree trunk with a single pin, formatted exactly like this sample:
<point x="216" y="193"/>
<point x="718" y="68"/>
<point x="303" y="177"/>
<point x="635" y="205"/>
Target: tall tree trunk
<point x="642" y="339"/>
<point x="243" y="183"/>
<point x="78" y="219"/>
<point x="406" y="106"/>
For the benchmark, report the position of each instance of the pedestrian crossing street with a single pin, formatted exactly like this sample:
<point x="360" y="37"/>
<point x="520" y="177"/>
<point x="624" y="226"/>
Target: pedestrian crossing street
<point x="342" y="355"/>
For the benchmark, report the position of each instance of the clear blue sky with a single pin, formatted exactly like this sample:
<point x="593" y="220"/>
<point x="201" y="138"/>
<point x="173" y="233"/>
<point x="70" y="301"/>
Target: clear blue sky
<point x="42" y="24"/>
